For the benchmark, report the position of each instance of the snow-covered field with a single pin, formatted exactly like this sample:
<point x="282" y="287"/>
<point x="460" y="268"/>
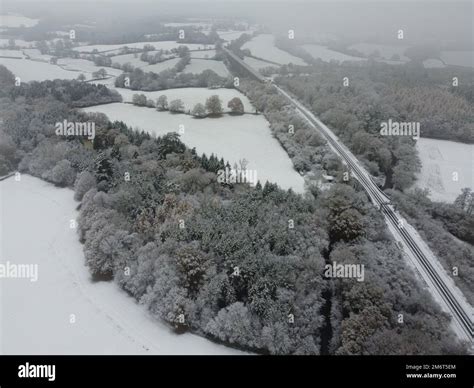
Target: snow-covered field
<point x="386" y="51"/>
<point x="4" y="42"/>
<point x="35" y="317"/>
<point x="326" y="55"/>
<point x="458" y="58"/>
<point x="257" y="63"/>
<point x="132" y="59"/>
<point x="203" y="54"/>
<point x="85" y="66"/>
<point x="440" y="160"/>
<point x="188" y="24"/>
<point x="433" y="63"/>
<point x="233" y="35"/>
<point x="197" y="66"/>
<point x="11" y="53"/>
<point x="37" y="71"/>
<point x="35" y="54"/>
<point x="161" y="45"/>
<point x="262" y="46"/>
<point x="231" y="137"/>
<point x="191" y="96"/>
<point x="12" y="20"/>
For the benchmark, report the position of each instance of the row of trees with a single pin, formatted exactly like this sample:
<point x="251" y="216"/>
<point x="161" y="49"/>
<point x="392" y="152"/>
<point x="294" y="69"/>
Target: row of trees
<point x="73" y="93"/>
<point x="212" y="107"/>
<point x="155" y="57"/>
<point x="170" y="78"/>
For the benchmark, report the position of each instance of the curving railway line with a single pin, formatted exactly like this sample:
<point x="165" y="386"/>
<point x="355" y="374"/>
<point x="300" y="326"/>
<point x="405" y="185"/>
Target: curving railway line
<point x="460" y="310"/>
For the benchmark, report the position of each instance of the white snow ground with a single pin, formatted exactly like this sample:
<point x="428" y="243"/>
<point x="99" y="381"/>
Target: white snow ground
<point x="446" y="168"/>
<point x="35" y="316"/>
<point x="386" y="51"/>
<point x="18" y="42"/>
<point x="263" y="46"/>
<point x="197" y="66"/>
<point x="327" y="55"/>
<point x="231" y="137"/>
<point x="38" y="71"/>
<point x="14" y="20"/>
<point x="257" y="63"/>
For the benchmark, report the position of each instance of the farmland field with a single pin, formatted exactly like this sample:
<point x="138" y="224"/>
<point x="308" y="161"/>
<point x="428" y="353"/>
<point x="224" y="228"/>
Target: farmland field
<point x="203" y="54"/>
<point x="433" y="64"/>
<point x="458" y="58"/>
<point x="197" y="66"/>
<point x="440" y="160"/>
<point x="188" y="24"/>
<point x="133" y="59"/>
<point x="83" y="65"/>
<point x="11" y="20"/>
<point x="38" y="71"/>
<point x="326" y="55"/>
<point x="18" y="42"/>
<point x="386" y="51"/>
<point x="159" y="67"/>
<point x="11" y="53"/>
<point x="232" y="35"/>
<point x="231" y="137"/>
<point x="262" y="46"/>
<point x="37" y="315"/>
<point x="257" y="63"/>
<point x="35" y="54"/>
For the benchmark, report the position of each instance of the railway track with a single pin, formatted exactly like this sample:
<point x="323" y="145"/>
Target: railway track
<point x="461" y="314"/>
<point x="460" y="310"/>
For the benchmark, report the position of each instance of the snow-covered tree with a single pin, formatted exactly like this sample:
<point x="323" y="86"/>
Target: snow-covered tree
<point x="214" y="105"/>
<point x="162" y="102"/>
<point x="465" y="200"/>
<point x="63" y="174"/>
<point x="199" y="110"/>
<point x="103" y="243"/>
<point x="176" y="106"/>
<point x="84" y="182"/>
<point x="235" y="325"/>
<point x="101" y="73"/>
<point x="139" y="99"/>
<point x="236" y="106"/>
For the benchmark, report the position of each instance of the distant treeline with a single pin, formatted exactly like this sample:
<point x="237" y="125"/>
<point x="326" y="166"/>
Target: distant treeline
<point x="355" y="99"/>
<point x="170" y="78"/>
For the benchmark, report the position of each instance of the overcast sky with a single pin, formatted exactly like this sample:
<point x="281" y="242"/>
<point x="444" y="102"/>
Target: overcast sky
<point x="424" y="21"/>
